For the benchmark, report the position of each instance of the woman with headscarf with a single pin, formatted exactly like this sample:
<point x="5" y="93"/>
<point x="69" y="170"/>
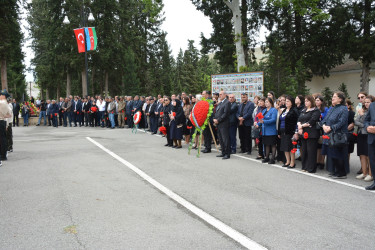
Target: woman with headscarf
<point x="177" y="123"/>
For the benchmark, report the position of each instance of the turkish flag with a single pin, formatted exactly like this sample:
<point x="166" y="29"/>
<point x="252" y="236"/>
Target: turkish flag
<point x="80" y="39"/>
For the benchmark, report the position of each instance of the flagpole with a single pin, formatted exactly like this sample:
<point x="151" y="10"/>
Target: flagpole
<point x="83" y="14"/>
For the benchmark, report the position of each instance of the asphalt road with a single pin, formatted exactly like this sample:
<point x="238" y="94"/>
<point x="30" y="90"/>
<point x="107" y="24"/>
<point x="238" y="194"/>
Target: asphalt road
<point x="59" y="190"/>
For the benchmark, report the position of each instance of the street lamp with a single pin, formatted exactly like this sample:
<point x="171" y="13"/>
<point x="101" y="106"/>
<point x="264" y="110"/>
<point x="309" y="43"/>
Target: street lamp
<point x="86" y="16"/>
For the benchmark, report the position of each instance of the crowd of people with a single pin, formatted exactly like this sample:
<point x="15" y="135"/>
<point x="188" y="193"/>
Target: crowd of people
<point x="282" y="129"/>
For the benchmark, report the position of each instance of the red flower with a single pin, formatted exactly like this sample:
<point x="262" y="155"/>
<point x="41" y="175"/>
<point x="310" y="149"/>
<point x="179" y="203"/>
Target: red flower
<point x="189" y="127"/>
<point x="163" y="130"/>
<point x="325" y="137"/>
<point x="294" y="150"/>
<point x="294" y="142"/>
<point x="355" y="134"/>
<point x="305" y="135"/>
<point x="174" y="113"/>
<point x="126" y="118"/>
<point x="260" y="116"/>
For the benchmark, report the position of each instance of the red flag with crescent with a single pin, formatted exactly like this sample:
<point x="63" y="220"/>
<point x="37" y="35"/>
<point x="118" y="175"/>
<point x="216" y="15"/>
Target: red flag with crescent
<point x="80" y="39"/>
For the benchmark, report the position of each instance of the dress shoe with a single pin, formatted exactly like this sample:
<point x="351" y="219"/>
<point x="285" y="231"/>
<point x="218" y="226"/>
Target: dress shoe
<point x="174" y="146"/>
<point x="166" y="145"/>
<point x="271" y="162"/>
<point x="259" y="157"/>
<point x="266" y="160"/>
<point x="226" y="157"/>
<point x="243" y="151"/>
<point x="179" y="147"/>
<point x="249" y="153"/>
<point x="233" y="152"/>
<point x="339" y="177"/>
<point x="220" y="155"/>
<point x="285" y="165"/>
<point x="37" y="125"/>
<point x="372" y="187"/>
<point x="290" y="166"/>
<point x="206" y="151"/>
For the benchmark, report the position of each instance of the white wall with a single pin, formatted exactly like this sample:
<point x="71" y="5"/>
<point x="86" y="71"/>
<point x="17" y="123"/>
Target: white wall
<point x="351" y="79"/>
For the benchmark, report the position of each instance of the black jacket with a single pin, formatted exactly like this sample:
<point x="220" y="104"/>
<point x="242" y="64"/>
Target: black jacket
<point x="311" y="117"/>
<point x="290" y="121"/>
<point x="16" y="108"/>
<point x="166" y="109"/>
<point x="222" y="113"/>
<point x="233" y="111"/>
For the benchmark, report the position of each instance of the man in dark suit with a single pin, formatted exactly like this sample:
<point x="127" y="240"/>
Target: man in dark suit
<point x="221" y="121"/>
<point x="61" y="113"/>
<point x="86" y="105"/>
<point x="77" y="107"/>
<point x="370" y="127"/>
<point x="153" y="117"/>
<point x="128" y="111"/>
<point x="245" y="118"/>
<point x="207" y="136"/>
<point x="53" y="110"/>
<point x="16" y="112"/>
<point x="233" y="123"/>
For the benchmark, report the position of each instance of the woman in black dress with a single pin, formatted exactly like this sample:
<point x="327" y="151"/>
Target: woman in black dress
<point x="287" y="126"/>
<point x="309" y="133"/>
<point x="167" y="108"/>
<point x="351" y="137"/>
<point x="177" y="118"/>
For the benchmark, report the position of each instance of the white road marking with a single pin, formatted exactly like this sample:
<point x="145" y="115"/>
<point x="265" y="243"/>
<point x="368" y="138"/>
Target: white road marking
<point x="232" y="233"/>
<point x="304" y="173"/>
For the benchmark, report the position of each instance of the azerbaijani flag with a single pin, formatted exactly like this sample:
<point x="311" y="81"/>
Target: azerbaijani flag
<point x="91" y="39"/>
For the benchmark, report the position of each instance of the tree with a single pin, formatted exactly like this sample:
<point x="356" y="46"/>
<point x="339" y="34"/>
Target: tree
<point x="222" y="39"/>
<point x="10" y="38"/>
<point x="360" y="33"/>
<point x="130" y="74"/>
<point x="343" y="88"/>
<point x="234" y="6"/>
<point x="327" y="94"/>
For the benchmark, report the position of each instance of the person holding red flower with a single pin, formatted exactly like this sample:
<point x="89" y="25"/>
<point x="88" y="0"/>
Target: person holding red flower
<point x="310" y="133"/>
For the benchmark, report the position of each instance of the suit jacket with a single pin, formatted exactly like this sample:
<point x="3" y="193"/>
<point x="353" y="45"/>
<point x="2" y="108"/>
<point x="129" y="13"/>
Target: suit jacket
<point x="269" y="122"/>
<point x="370" y="121"/>
<point x="247" y="113"/>
<point x="137" y="105"/>
<point x="290" y="121"/>
<point x="129" y="107"/>
<point x="233" y="114"/>
<point x="312" y="118"/>
<point x="52" y="109"/>
<point x="222" y="113"/>
<point x="153" y="109"/>
<point x="86" y="107"/>
<point x="16" y="108"/>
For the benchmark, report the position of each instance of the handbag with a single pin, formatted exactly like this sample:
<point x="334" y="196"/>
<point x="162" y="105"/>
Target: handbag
<point x="337" y="139"/>
<point x="255" y="133"/>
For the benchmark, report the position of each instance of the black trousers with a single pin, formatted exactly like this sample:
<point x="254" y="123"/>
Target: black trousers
<point x="10" y="136"/>
<point x="308" y="154"/>
<point x="3" y="140"/>
<point x="244" y="133"/>
<point x="260" y="146"/>
<point x="169" y="141"/>
<point x="208" y="137"/>
<point x="61" y="118"/>
<point x="371" y="155"/>
<point x="129" y="120"/>
<point x="15" y="118"/>
<point x="223" y="134"/>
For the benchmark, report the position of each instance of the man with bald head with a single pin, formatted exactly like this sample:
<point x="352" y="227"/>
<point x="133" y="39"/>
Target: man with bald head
<point x="222" y="122"/>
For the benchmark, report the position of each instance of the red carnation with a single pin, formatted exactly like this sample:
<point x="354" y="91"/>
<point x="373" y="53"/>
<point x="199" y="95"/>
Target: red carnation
<point x="163" y="130"/>
<point x="260" y="116"/>
<point x="161" y="113"/>
<point x="189" y="127"/>
<point x="294" y="142"/>
<point x="355" y="134"/>
<point x="325" y="137"/>
<point x="305" y="135"/>
<point x="174" y="113"/>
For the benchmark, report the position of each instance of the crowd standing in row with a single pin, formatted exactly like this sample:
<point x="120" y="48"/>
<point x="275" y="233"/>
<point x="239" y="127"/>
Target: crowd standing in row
<point x="280" y="127"/>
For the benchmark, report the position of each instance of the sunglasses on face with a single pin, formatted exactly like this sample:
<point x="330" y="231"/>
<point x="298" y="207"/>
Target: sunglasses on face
<point x="361" y="97"/>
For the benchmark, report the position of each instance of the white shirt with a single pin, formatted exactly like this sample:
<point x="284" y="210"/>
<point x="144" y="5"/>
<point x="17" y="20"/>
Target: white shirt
<point x="101" y="106"/>
<point x="10" y="119"/>
<point x="144" y="107"/>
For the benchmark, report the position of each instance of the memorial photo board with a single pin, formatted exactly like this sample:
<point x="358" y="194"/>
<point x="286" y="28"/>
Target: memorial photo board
<point x="238" y="83"/>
